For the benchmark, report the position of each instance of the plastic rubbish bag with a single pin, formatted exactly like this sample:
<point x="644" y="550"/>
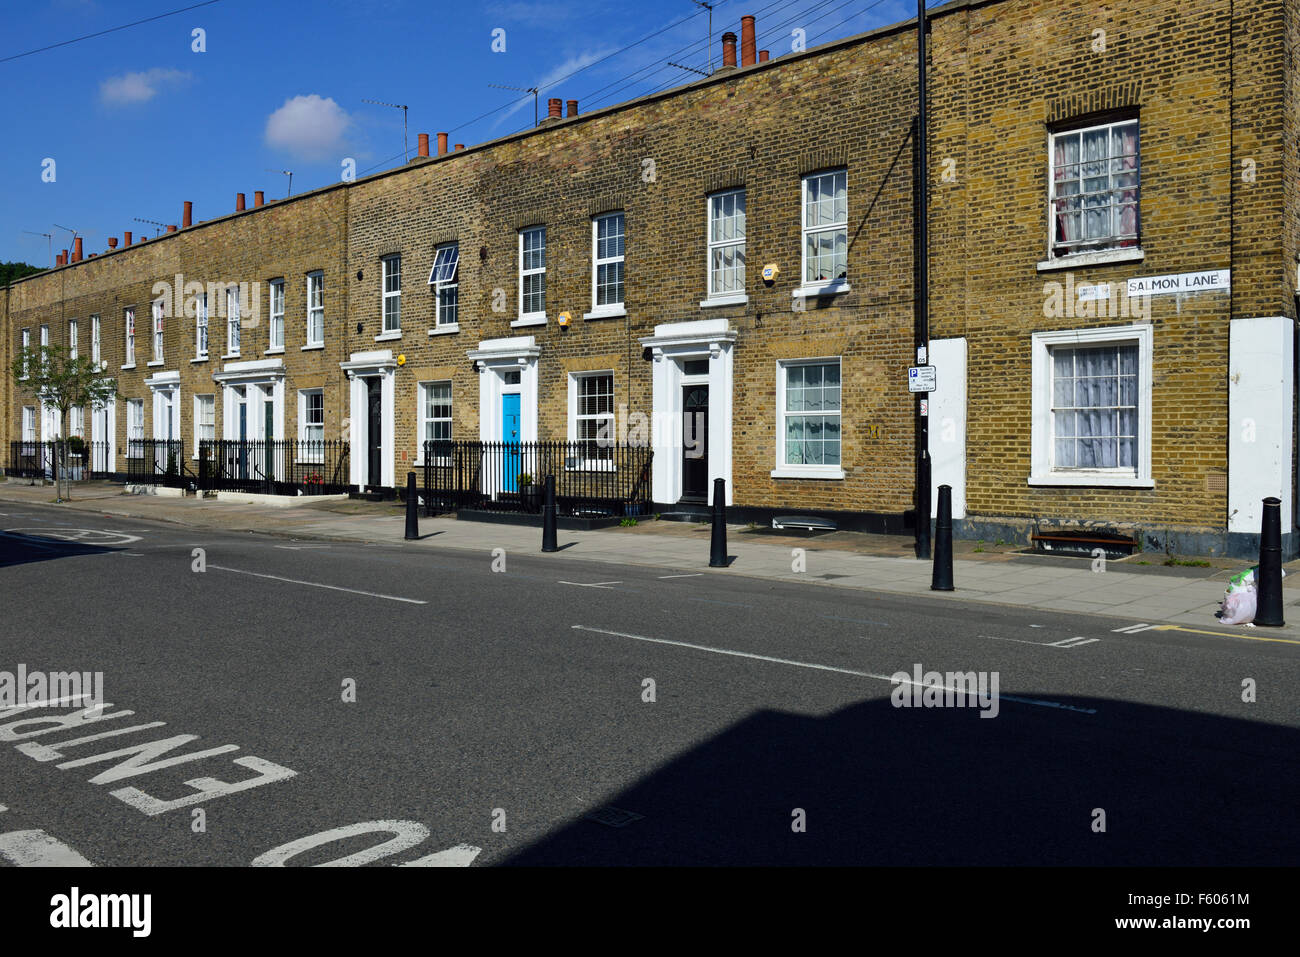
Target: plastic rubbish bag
<point x="1247" y="579"/>
<point x="1239" y="607"/>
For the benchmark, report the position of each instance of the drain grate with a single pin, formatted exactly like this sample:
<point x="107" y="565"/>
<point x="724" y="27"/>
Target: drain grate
<point x="828" y="577"/>
<point x="613" y="816"/>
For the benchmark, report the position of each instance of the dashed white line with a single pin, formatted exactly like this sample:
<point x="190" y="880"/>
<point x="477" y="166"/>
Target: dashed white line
<point x="38" y="849"/>
<point x="816" y="667"/>
<point x="1075" y="642"/>
<point x="605" y="585"/>
<point x="295" y="581"/>
<point x="691" y="575"/>
<point x="1133" y="629"/>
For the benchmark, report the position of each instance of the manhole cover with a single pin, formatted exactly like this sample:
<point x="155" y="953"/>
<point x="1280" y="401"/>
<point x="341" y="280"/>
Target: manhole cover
<point x="613" y="817"/>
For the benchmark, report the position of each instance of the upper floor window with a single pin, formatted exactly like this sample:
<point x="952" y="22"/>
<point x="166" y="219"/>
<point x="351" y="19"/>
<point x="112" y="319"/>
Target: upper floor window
<point x="232" y="321"/>
<point x="315" y="309"/>
<point x="532" y="273"/>
<point x="727" y="244"/>
<point x="27" y="344"/>
<point x="392" y="294"/>
<point x="72" y="338"/>
<point x="446" y="285"/>
<point x="128" y="324"/>
<point x="1094" y="188"/>
<point x="45" y="335"/>
<point x="825" y="228"/>
<point x="275" y="332"/>
<point x="158" y="331"/>
<point x="607" y="238"/>
<point x="201" y="326"/>
<point x="94" y="339"/>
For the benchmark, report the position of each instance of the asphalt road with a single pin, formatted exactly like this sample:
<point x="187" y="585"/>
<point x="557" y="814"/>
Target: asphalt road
<point x="497" y="708"/>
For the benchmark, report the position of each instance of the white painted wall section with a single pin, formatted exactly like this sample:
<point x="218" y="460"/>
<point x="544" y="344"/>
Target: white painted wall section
<point x="1261" y="383"/>
<point x="948" y="424"/>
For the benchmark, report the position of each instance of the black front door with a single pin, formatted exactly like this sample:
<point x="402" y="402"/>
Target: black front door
<point x="695" y="449"/>
<point x="374" y="431"/>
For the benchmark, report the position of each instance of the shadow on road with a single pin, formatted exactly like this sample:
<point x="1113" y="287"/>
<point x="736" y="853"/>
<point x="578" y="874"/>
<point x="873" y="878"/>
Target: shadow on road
<point x="889" y="786"/>
<point x="25" y="548"/>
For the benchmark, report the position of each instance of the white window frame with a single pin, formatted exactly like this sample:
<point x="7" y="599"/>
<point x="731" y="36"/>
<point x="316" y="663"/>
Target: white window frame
<point x="201" y="400"/>
<point x="445" y="288"/>
<point x="312" y="458"/>
<point x="531" y="318"/>
<point x="234" y="330"/>
<point x="609" y="309"/>
<point x="128" y="330"/>
<point x="29" y="423"/>
<point x="77" y="421"/>
<point x="135" y="428"/>
<point x="784" y="470"/>
<point x="1042" y="447"/>
<point x="390" y="300"/>
<point x="575" y="416"/>
<point x="94" y="339"/>
<point x="821" y="287"/>
<point x="45" y="334"/>
<point x="422" y="419"/>
<point x="27" y="344"/>
<point x="714" y="297"/>
<point x="157" y="331"/>
<point x="1105" y="250"/>
<point x="201" y="342"/>
<point x="72" y="338"/>
<point x="275" y="330"/>
<point x="315" y="310"/>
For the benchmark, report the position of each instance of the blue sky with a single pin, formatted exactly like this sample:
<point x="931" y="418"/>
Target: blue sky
<point x="136" y="121"/>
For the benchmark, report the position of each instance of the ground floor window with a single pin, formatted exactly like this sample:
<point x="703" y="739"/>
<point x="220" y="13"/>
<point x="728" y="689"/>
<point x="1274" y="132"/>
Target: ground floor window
<point x="591" y="415"/>
<point x="135" y="428"/>
<point x="77" y="421"/>
<point x="205" y="419"/>
<point x="29" y="423"/>
<point x="435" y="417"/>
<point x="808" y="416"/>
<point x="311" y="425"/>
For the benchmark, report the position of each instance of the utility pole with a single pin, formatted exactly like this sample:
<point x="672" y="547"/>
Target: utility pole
<point x="406" y="152"/>
<point x="922" y="295"/>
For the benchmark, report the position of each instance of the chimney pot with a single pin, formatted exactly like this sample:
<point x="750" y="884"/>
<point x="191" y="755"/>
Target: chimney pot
<point x="729" y="49"/>
<point x="187" y="218"/>
<point x="76" y="250"/>
<point x="762" y="56"/>
<point x="747" y="41"/>
<point x="459" y="147"/>
<point x="442" y="144"/>
<point x="239" y="202"/>
<point x="572" y="106"/>
<point x="58" y="259"/>
<point x="126" y="239"/>
<point x="66" y="260"/>
<point x="112" y="242"/>
<point x="554" y="107"/>
<point x="171" y="229"/>
<point x="423" y="149"/>
<point x="259" y="198"/>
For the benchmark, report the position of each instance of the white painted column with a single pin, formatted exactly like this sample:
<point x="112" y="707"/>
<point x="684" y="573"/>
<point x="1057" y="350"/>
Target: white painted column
<point x="388" y="435"/>
<point x="1261" y="384"/>
<point x="720" y="399"/>
<point x="666" y="431"/>
<point x="357" y="454"/>
<point x="948" y="424"/>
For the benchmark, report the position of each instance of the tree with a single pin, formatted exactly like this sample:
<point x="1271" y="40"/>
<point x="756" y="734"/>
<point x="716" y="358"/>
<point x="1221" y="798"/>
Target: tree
<point x="61" y="381"/>
<point x="12" y="272"/>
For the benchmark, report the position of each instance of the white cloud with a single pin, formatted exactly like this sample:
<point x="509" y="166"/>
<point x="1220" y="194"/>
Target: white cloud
<point x="139" y="87"/>
<point x="308" y="127"/>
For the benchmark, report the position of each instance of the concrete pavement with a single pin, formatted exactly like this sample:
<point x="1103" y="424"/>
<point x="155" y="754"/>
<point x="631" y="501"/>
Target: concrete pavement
<point x="1181" y="596"/>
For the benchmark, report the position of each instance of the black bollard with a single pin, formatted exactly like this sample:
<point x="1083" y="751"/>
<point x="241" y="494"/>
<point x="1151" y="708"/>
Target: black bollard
<point x="1268" y="583"/>
<point x="412" y="509"/>
<point x="548" y="517"/>
<point x="941" y="579"/>
<point x="718" y="540"/>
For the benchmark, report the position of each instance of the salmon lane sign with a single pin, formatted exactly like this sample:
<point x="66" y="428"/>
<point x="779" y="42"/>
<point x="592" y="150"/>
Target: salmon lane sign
<point x="1208" y="280"/>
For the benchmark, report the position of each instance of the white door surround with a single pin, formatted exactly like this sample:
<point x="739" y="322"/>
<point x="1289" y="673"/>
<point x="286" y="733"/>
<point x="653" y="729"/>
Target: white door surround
<point x="670" y="347"/>
<point x="166" y="389"/>
<point x="103" y="429"/>
<point x="361" y="366"/>
<point x="494" y="359"/>
<point x="262" y="381"/>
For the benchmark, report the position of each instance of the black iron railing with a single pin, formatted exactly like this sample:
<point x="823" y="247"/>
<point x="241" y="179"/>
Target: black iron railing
<point x="85" y="460"/>
<point x="274" y="466"/>
<point x="157" y="462"/>
<point x="591" y="479"/>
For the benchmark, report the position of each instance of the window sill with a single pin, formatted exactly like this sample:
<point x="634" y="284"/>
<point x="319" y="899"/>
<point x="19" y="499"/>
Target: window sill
<point x="1129" y="254"/>
<point x="129" y="365"/>
<point x="198" y="359"/>
<point x="447" y="330"/>
<point x="1084" y="479"/>
<point x="231" y="355"/>
<point x="737" y="299"/>
<point x="817" y="292"/>
<point x="278" y="351"/>
<point x="530" y="320"/>
<point x="606" y="312"/>
<point x="157" y="363"/>
<point x="833" y="472"/>
<point x="310" y="348"/>
<point x="389" y="336"/>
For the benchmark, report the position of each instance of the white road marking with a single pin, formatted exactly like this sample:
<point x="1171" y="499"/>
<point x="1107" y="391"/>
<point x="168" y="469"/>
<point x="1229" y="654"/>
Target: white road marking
<point x="80" y="536"/>
<point x="462" y="855"/>
<point x="1134" y="629"/>
<point x="816" y="667"/>
<point x="38" y="849"/>
<point x="605" y="585"/>
<point x="691" y="575"/>
<point x="3" y="809"/>
<point x="294" y="548"/>
<point x="295" y="581"/>
<point x="1075" y="642"/>
<point x="1022" y="641"/>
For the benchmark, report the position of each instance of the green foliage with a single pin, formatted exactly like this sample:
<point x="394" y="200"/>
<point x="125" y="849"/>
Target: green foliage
<point x="12" y="272"/>
<point x="628" y="522"/>
<point x="524" y="479"/>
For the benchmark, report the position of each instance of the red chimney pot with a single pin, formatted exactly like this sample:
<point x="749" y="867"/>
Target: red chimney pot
<point x="554" y="107"/>
<point x="112" y="242"/>
<point x="76" y="250"/>
<point x="572" y="106"/>
<point x="126" y="239"/>
<point x="762" y="56"/>
<point x="442" y="144"/>
<point x="258" y="198"/>
<point x="187" y="218"/>
<point x="729" y="49"/>
<point x="239" y="202"/>
<point x="459" y="147"/>
<point x="423" y="149"/>
<point x="171" y="229"/>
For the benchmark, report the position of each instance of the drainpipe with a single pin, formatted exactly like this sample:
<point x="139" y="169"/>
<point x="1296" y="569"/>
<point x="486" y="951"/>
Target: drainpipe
<point x="922" y="294"/>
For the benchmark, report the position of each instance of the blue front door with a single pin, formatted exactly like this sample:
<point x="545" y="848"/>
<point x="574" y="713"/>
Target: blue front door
<point x="510" y="435"/>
